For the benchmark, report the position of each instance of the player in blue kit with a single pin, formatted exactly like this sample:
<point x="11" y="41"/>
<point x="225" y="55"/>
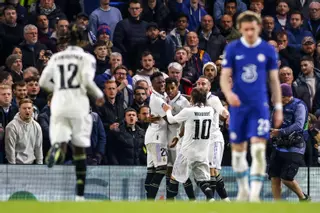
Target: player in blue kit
<point x="250" y="61"/>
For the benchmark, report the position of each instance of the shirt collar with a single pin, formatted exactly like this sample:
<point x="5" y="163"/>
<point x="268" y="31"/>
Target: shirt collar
<point x="246" y="44"/>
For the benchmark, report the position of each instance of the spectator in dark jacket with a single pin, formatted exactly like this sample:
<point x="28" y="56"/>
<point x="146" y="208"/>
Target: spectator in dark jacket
<point x="307" y="85"/>
<point x="51" y="10"/>
<point x="127" y="148"/>
<point x="14" y="66"/>
<point x="130" y="34"/>
<point x="143" y="115"/>
<point x="189" y="73"/>
<point x="7" y="113"/>
<point x="44" y="121"/>
<point x="160" y="46"/>
<point x="313" y="24"/>
<point x="268" y="31"/>
<point x="5" y="77"/>
<point x="227" y="30"/>
<point x="156" y="11"/>
<point x="100" y="52"/>
<point x="21" y="11"/>
<point x="140" y="98"/>
<point x="71" y="8"/>
<point x="45" y="33"/>
<point x="179" y="34"/>
<point x="210" y="38"/>
<point x="30" y="47"/>
<point x="11" y="33"/>
<point x="96" y="151"/>
<point x="282" y="18"/>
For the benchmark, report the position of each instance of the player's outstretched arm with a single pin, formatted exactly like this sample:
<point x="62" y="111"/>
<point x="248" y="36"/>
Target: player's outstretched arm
<point x="277" y="100"/>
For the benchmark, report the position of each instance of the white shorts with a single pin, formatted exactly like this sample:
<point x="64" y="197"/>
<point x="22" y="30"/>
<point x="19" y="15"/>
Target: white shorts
<point x="216" y="152"/>
<point x="156" y="155"/>
<point x="172" y="154"/>
<point x="182" y="167"/>
<point x="78" y="130"/>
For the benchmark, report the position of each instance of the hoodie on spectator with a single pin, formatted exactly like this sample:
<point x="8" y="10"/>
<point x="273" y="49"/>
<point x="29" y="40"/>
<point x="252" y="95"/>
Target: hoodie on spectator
<point x="23" y="142"/>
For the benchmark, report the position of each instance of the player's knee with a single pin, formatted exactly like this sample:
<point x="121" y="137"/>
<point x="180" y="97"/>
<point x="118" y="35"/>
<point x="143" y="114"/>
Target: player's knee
<point x="258" y="153"/>
<point x="239" y="162"/>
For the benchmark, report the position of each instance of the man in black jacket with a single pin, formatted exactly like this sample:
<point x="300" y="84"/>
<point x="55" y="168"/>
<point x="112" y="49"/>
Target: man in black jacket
<point x="127" y="148"/>
<point x="130" y="34"/>
<point x="7" y="113"/>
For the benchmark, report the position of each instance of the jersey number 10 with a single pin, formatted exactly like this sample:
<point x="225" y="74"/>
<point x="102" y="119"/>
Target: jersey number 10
<point x="72" y="70"/>
<point x="205" y="129"/>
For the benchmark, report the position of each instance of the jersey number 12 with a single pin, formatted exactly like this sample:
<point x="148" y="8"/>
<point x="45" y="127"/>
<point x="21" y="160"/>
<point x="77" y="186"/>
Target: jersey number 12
<point x="70" y="71"/>
<point x="205" y="129"/>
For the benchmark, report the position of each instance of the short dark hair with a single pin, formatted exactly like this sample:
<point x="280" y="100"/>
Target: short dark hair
<point x="181" y="48"/>
<point x="282" y="33"/>
<point x="144" y="106"/>
<point x="282" y="1"/>
<point x="155" y="75"/>
<point x="38" y="16"/>
<point x="205" y="77"/>
<point x="99" y="43"/>
<point x="9" y="7"/>
<point x="145" y="54"/>
<point x="19" y="84"/>
<point x="25" y="101"/>
<point x="137" y="88"/>
<point x="198" y="96"/>
<point x="295" y="12"/>
<point x="248" y="16"/>
<point x="307" y="58"/>
<point x="230" y="1"/>
<point x="32" y="78"/>
<point x="122" y="67"/>
<point x="4" y="75"/>
<point x="134" y="2"/>
<point x="171" y="80"/>
<point x="182" y="15"/>
<point x="129" y="109"/>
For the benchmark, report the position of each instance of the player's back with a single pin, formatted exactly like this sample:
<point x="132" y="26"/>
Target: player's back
<point x="70" y="70"/>
<point x="196" y="137"/>
<point x="250" y="68"/>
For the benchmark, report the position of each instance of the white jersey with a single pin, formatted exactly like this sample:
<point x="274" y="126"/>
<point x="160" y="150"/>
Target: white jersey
<point x="178" y="103"/>
<point x="157" y="132"/>
<point x="214" y="102"/>
<point x="72" y="72"/>
<point x="196" y="139"/>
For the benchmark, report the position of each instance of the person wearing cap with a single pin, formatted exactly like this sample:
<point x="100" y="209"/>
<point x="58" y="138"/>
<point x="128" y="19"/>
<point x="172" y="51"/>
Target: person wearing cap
<point x="80" y="29"/>
<point x="14" y="65"/>
<point x="307" y="85"/>
<point x="289" y="144"/>
<point x="160" y="45"/>
<point x="296" y="31"/>
<point x="104" y="14"/>
<point x="308" y="47"/>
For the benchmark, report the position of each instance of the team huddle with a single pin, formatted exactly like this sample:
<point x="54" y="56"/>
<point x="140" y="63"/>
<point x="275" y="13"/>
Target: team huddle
<point x="184" y="137"/>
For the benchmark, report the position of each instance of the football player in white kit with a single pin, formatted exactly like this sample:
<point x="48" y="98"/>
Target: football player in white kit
<point x="69" y="74"/>
<point x="156" y="138"/>
<point x="217" y="140"/>
<point x="177" y="102"/>
<point x="193" y="154"/>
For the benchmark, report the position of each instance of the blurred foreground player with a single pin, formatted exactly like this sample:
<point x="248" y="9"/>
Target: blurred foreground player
<point x="249" y="60"/>
<point x="69" y="74"/>
<point x="193" y="154"/>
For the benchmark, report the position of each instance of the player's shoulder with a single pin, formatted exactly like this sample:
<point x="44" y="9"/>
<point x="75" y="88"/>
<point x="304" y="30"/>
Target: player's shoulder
<point x="234" y="44"/>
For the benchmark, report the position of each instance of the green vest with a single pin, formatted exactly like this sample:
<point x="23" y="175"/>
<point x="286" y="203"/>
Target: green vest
<point x="30" y="5"/>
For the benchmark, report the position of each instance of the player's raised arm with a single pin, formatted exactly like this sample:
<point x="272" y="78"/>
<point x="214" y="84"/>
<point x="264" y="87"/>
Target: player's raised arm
<point x="45" y="80"/>
<point x="88" y="75"/>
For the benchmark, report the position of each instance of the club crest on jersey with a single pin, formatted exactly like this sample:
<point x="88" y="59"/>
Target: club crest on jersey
<point x="233" y="136"/>
<point x="250" y="74"/>
<point x="261" y="57"/>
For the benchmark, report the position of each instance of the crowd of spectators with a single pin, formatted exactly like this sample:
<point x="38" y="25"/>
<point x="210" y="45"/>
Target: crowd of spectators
<point x="183" y="39"/>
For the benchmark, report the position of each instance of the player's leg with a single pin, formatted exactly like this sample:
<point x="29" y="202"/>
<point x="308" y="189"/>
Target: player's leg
<point x="160" y="160"/>
<point x="237" y="129"/>
<point x="171" y="160"/>
<point x="275" y="166"/>
<point x="212" y="158"/>
<point x="188" y="188"/>
<point x="81" y="132"/>
<point x="201" y="173"/>
<point x="276" y="188"/>
<point x="60" y="133"/>
<point x="151" y="170"/>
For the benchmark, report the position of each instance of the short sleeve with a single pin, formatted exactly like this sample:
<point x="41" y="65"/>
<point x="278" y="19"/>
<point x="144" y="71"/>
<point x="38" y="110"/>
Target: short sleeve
<point x="272" y="63"/>
<point x="228" y="58"/>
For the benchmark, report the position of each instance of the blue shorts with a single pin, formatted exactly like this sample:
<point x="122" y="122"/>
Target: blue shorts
<point x="249" y="121"/>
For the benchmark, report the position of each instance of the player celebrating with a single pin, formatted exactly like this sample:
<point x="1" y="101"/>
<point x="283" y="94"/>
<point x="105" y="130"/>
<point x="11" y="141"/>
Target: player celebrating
<point x="72" y="72"/>
<point x="156" y="138"/>
<point x="193" y="153"/>
<point x="217" y="141"/>
<point x="249" y="60"/>
<point x="177" y="102"/>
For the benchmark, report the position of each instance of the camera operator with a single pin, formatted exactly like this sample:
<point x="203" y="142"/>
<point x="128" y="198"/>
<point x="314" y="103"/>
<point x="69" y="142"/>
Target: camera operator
<point x="289" y="145"/>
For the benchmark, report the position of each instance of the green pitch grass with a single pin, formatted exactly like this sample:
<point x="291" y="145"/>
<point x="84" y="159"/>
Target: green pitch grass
<point x="156" y="207"/>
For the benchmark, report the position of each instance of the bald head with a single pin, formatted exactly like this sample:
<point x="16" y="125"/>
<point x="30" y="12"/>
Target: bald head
<point x="226" y="22"/>
<point x="286" y="75"/>
<point x="207" y="23"/>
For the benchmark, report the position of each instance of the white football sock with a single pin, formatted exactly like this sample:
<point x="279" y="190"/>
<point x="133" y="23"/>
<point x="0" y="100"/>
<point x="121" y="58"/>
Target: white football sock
<point x="240" y="167"/>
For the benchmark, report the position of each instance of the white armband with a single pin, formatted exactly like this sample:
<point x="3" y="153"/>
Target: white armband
<point x="278" y="106"/>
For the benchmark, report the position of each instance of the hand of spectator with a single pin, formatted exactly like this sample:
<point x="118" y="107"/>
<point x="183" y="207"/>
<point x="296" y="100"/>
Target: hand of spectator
<point x="174" y="142"/>
<point x="125" y="83"/>
<point x="41" y="55"/>
<point x="114" y="126"/>
<point x="163" y="35"/>
<point x="281" y="47"/>
<point x="130" y="72"/>
<point x="100" y="101"/>
<point x="274" y="133"/>
<point x="166" y="107"/>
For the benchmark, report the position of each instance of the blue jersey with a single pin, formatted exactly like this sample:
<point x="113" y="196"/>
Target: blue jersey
<point x="250" y="67"/>
<point x="250" y="70"/>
